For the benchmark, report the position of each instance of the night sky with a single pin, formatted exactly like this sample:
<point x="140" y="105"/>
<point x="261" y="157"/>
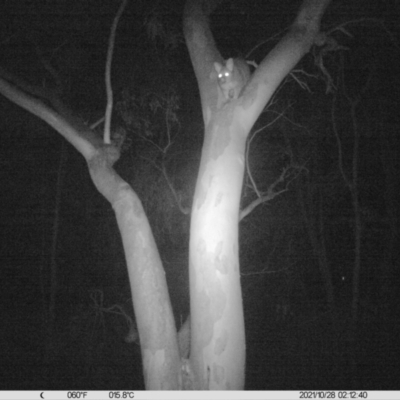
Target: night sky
<point x="61" y="260"/>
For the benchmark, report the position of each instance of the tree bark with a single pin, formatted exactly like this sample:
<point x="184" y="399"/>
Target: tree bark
<point x="151" y="303"/>
<point x="217" y="354"/>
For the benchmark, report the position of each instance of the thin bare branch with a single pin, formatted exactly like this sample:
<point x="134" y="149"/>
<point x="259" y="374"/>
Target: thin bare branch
<point x="248" y="149"/>
<point x="339" y="145"/>
<point x="111" y="42"/>
<point x="97" y="123"/>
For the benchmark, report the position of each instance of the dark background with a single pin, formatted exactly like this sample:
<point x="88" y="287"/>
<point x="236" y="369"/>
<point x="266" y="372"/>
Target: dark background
<point x="62" y="266"/>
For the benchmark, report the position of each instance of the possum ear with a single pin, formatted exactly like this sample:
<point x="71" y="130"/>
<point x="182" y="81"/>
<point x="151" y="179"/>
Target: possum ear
<point x="217" y="67"/>
<point x="229" y="64"/>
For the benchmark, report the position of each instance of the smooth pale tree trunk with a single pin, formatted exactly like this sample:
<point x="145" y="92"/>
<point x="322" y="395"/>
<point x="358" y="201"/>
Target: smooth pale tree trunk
<point x="153" y="312"/>
<point x="218" y="340"/>
<point x="218" y="353"/>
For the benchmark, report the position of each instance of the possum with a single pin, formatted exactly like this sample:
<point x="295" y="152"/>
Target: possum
<point x="232" y="77"/>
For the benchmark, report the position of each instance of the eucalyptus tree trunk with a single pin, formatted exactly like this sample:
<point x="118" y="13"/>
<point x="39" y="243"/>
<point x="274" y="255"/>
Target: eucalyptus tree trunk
<point x="217" y="357"/>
